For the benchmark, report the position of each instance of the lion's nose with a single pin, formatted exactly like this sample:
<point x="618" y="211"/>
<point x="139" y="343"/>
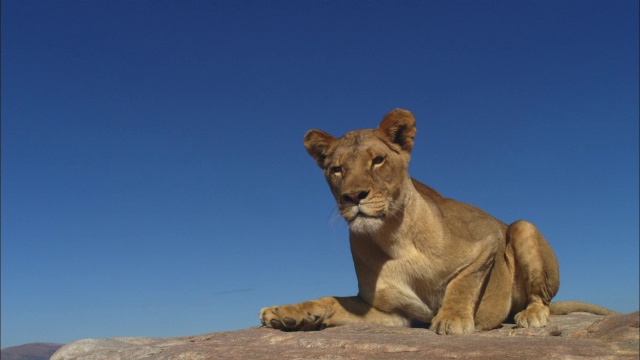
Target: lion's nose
<point x="355" y="197"/>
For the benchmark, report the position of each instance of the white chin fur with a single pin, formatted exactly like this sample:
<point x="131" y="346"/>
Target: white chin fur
<point x="363" y="224"/>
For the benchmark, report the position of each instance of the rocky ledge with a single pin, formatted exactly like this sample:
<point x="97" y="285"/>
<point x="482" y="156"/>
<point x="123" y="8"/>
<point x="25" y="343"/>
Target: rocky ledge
<point x="573" y="336"/>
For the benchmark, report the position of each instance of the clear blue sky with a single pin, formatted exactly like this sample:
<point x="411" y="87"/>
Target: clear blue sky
<point x="154" y="181"/>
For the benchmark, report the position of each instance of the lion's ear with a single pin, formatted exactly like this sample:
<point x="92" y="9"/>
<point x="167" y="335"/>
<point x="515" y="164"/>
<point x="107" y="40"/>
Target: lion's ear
<point x="399" y="126"/>
<point x="317" y="143"/>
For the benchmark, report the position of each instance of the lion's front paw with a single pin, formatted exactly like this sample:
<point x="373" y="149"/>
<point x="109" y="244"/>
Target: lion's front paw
<point x="304" y="316"/>
<point x="449" y="324"/>
<point x="535" y="315"/>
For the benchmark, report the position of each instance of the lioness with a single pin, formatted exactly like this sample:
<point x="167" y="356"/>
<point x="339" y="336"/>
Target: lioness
<point x="418" y="255"/>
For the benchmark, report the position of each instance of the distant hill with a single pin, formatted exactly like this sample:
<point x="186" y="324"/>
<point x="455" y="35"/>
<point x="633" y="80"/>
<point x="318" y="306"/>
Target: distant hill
<point x="33" y="351"/>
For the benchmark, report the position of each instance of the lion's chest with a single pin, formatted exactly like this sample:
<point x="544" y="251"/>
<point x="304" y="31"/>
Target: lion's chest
<point x="407" y="285"/>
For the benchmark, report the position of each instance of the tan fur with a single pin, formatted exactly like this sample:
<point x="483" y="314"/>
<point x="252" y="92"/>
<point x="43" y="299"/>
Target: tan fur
<point x="418" y="255"/>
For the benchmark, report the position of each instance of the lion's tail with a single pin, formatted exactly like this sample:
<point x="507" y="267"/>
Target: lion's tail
<point x="565" y="307"/>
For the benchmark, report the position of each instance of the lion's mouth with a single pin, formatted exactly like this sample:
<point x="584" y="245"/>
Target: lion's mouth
<point x="360" y="214"/>
<point x="352" y="216"/>
<point x="361" y="222"/>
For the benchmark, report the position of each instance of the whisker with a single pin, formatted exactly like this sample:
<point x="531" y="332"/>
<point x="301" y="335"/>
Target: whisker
<point x="394" y="210"/>
<point x="334" y="217"/>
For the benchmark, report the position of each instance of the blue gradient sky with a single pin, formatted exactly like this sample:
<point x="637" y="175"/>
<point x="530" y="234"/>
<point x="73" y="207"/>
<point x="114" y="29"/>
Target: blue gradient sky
<point x="154" y="181"/>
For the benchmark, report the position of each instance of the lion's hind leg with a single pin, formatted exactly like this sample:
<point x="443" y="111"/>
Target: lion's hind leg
<point x="536" y="274"/>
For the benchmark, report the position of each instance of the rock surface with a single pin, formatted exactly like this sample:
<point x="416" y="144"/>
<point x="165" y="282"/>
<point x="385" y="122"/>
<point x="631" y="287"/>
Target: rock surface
<point x="573" y="336"/>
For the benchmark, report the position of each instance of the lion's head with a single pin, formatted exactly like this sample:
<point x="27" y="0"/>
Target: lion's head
<point x="367" y="168"/>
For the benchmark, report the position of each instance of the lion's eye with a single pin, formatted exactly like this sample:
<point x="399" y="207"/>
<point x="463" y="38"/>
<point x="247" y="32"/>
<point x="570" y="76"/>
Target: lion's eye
<point x="336" y="170"/>
<point x="378" y="160"/>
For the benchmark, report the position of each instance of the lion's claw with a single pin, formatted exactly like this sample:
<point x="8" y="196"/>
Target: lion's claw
<point x="289" y="322"/>
<point x="444" y="324"/>
<point x="534" y="316"/>
<point x="291" y="318"/>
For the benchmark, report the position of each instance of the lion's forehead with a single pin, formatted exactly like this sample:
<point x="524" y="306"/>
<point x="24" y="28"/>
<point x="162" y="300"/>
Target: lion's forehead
<point x="358" y="144"/>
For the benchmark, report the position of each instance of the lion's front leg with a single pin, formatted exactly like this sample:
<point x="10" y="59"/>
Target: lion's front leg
<point x="456" y="316"/>
<point x="326" y="312"/>
<point x="309" y="315"/>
